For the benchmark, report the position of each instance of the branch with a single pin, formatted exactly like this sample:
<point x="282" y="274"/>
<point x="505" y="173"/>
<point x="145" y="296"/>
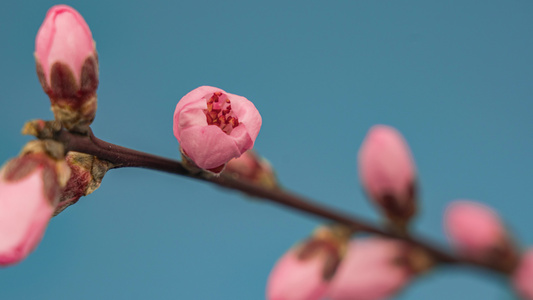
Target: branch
<point x="125" y="157"/>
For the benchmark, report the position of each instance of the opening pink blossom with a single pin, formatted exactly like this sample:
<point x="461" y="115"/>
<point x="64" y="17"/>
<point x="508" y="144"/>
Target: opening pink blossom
<point x="213" y="126"/>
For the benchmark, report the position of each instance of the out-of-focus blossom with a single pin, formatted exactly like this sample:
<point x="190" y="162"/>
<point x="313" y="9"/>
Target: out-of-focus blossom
<point x="304" y="272"/>
<point x="213" y="126"/>
<point x="67" y="65"/>
<point x="387" y="172"/>
<point x="297" y="279"/>
<point x="373" y="269"/>
<point x="473" y="227"/>
<point x="29" y="192"/>
<point x="251" y="167"/>
<point x="522" y="277"/>
<point x="477" y="231"/>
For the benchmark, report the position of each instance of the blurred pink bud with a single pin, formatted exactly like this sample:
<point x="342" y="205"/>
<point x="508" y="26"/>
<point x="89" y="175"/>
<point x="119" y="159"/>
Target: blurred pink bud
<point x="295" y="279"/>
<point x="387" y="172"/>
<point x="305" y="271"/>
<point x="29" y="191"/>
<point x="473" y="227"/>
<point x="213" y="126"/>
<point x="250" y="166"/>
<point x="67" y="65"/>
<point x="373" y="269"/>
<point x="522" y="277"/>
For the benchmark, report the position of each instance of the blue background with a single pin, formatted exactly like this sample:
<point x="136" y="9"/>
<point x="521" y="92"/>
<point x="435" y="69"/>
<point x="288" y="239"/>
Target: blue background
<point x="455" y="77"/>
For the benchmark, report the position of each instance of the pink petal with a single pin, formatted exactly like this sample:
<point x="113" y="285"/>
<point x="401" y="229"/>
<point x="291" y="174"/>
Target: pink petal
<point x="189" y="110"/>
<point x="248" y="115"/>
<point x="208" y="146"/>
<point x="24" y="215"/>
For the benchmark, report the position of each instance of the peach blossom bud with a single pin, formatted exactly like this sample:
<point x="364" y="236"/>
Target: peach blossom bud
<point x="387" y="172"/>
<point x="305" y="271"/>
<point x="373" y="269"/>
<point x="87" y="172"/>
<point x="477" y="231"/>
<point x="213" y="126"/>
<point x="522" y="277"/>
<point x="29" y="192"/>
<point x="251" y="167"/>
<point x="67" y="65"/>
<point x="473" y="227"/>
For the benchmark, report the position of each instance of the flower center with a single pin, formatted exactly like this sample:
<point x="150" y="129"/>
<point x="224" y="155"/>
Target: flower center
<point x="219" y="113"/>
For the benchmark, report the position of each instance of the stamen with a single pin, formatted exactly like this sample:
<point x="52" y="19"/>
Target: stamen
<point x="219" y="112"/>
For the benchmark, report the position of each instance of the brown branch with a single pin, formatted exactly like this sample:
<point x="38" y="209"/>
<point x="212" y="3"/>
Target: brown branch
<point x="125" y="157"/>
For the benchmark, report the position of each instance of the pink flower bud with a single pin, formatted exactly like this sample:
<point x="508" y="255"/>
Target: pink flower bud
<point x="305" y="271"/>
<point x="29" y="192"/>
<point x="295" y="279"/>
<point x="213" y="126"/>
<point x="387" y="172"/>
<point x="373" y="269"/>
<point x="473" y="227"/>
<point x="251" y="167"/>
<point x="67" y="65"/>
<point x="522" y="277"/>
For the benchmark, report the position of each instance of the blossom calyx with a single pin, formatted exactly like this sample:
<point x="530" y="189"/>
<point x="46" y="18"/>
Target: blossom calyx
<point x="388" y="175"/>
<point x="213" y="127"/>
<point x="87" y="172"/>
<point x="30" y="186"/>
<point x="67" y="66"/>
<point x="305" y="271"/>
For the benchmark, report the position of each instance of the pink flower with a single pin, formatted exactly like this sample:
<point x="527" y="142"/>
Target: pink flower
<point x="387" y="172"/>
<point x="67" y="66"/>
<point x="305" y="271"/>
<point x="213" y="126"/>
<point x="474" y="228"/>
<point x="371" y="270"/>
<point x="522" y="277"/>
<point x="29" y="191"/>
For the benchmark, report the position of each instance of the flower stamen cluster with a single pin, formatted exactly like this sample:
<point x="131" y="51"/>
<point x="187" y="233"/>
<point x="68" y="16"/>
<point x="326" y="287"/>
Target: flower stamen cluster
<point x="219" y="113"/>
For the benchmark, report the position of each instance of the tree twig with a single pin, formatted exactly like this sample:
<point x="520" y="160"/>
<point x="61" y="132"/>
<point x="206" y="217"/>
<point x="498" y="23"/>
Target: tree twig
<point x="124" y="157"/>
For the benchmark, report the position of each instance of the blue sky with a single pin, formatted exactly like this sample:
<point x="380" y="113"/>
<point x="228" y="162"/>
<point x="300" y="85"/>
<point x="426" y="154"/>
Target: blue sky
<point x="454" y="77"/>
